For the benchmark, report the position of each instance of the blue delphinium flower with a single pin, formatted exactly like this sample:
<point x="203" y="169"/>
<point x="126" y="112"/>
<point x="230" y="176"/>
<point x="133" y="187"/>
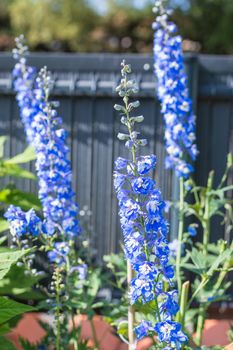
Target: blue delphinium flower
<point x="192" y="230"/>
<point x="23" y="222"/>
<point x="44" y="131"/>
<point x="59" y="253"/>
<point x="144" y="227"/>
<point x="24" y="77"/>
<point x="143" y="329"/>
<point x="170" y="332"/>
<point x="82" y="270"/>
<point x="173" y="94"/>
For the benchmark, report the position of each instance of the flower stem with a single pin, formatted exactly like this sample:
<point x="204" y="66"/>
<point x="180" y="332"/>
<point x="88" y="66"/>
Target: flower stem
<point x="180" y="236"/>
<point x="206" y="237"/>
<point x="200" y="324"/>
<point x="131" y="313"/>
<point x="96" y="342"/>
<point x="183" y="303"/>
<point x="57" y="281"/>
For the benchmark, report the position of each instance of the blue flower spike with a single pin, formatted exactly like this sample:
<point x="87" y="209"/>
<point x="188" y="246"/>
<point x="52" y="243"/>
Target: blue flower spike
<point x="144" y="228"/>
<point x="176" y="104"/>
<point x="45" y="132"/>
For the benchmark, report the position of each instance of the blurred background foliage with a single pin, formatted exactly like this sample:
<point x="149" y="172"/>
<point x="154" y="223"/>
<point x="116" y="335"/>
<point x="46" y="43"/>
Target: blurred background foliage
<point x="113" y="25"/>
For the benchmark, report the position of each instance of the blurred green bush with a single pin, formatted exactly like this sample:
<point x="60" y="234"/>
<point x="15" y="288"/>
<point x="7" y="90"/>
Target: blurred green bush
<point x="77" y="26"/>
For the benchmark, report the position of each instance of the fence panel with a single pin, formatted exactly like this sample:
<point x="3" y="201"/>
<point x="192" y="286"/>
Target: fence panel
<point x="85" y="86"/>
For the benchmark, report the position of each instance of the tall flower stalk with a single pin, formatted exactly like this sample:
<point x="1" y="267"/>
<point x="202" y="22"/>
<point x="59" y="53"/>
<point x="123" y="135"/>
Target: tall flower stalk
<point x="145" y="232"/>
<point x="176" y="107"/>
<point x="44" y="131"/>
<point x="59" y="227"/>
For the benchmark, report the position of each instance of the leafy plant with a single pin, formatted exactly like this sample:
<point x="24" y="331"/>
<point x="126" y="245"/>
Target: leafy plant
<point x="208" y="262"/>
<point x="11" y="169"/>
<point x="9" y="309"/>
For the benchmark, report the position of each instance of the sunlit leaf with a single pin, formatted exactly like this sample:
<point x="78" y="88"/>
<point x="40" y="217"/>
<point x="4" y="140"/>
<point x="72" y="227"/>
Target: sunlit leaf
<point x="3" y="226"/>
<point x="15" y="171"/>
<point x="25" y="200"/>
<point x="10" y="308"/>
<point x="24" y="157"/>
<point x="2" y="142"/>
<point x="9" y="258"/>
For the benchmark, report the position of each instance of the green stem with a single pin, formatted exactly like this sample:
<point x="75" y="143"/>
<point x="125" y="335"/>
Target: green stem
<point x="183" y="303"/>
<point x="204" y="281"/>
<point x="200" y="324"/>
<point x="96" y="342"/>
<point x="203" y="308"/>
<point x="180" y="236"/>
<point x="206" y="238"/>
<point x="57" y="311"/>
<point x="131" y="311"/>
<point x="157" y="308"/>
<point x="206" y="227"/>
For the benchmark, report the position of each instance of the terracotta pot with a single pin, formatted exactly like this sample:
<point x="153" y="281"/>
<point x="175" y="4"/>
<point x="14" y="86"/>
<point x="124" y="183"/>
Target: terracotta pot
<point x="29" y="329"/>
<point x="215" y="332"/>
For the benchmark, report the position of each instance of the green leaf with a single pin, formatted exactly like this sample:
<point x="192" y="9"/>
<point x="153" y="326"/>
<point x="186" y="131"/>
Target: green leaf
<point x="94" y="283"/>
<point x="15" y="170"/>
<point x="122" y="329"/>
<point x="2" y="142"/>
<point x="4" y="329"/>
<point x="10" y="308"/>
<point x="192" y="268"/>
<point x="7" y="259"/>
<point x="27" y="345"/>
<point x="24" y="157"/>
<point x="219" y="260"/>
<point x="199" y="259"/>
<point x="17" y="283"/>
<point x="4" y="225"/>
<point x="25" y="200"/>
<point x="215" y="205"/>
<point x="6" y="344"/>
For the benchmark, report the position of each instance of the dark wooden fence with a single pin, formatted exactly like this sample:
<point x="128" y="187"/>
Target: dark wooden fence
<point x="85" y="86"/>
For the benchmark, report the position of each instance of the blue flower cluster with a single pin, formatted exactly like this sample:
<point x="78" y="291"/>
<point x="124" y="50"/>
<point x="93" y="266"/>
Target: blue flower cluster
<point x="44" y="131"/>
<point x="173" y="94"/>
<point x="24" y="78"/>
<point x="145" y="230"/>
<point x="22" y="223"/>
<point x="59" y="253"/>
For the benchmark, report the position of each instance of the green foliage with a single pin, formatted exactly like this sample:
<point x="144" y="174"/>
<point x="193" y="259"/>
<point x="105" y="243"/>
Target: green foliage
<point x="210" y="263"/>
<point x="66" y="24"/>
<point x="7" y="259"/>
<point x="10" y="309"/>
<point x="230" y="333"/>
<point x="10" y="167"/>
<point x="208" y="22"/>
<point x="117" y="265"/>
<point x="27" y="346"/>
<point x="76" y="341"/>
<point x="11" y="195"/>
<point x="83" y="295"/>
<point x="26" y="156"/>
<point x="15" y="171"/>
<point x="17" y="283"/>
<point x="75" y="25"/>
<point x="3" y="225"/>
<point x="6" y="344"/>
